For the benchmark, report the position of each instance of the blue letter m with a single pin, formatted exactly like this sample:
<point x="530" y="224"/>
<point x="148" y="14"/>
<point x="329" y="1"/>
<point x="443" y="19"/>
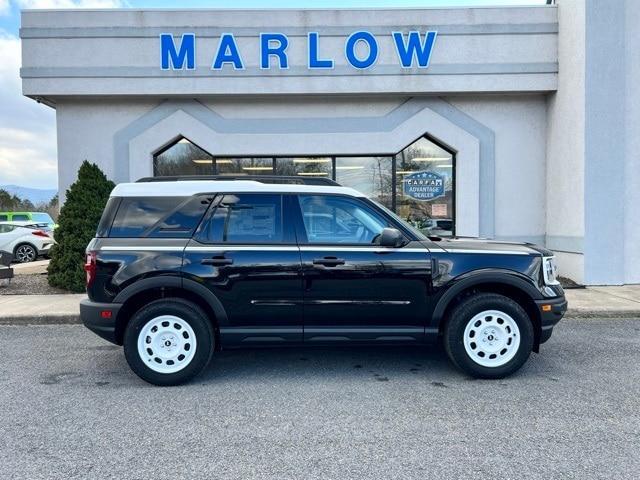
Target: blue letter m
<point x="172" y="58"/>
<point x="414" y="47"/>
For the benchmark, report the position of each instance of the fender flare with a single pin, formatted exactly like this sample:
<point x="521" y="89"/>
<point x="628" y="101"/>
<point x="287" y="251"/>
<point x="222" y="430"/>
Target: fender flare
<point x="504" y="277"/>
<point x="172" y="281"/>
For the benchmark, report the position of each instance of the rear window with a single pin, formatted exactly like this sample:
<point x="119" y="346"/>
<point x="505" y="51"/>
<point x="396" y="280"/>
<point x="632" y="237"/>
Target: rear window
<point x="158" y="217"/>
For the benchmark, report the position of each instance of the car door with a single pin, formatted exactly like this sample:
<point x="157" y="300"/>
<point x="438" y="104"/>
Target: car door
<point x="246" y="254"/>
<point x="353" y="289"/>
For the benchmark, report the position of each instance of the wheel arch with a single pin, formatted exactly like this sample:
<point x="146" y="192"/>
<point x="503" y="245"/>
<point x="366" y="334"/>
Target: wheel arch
<point x="143" y="291"/>
<point x="507" y="283"/>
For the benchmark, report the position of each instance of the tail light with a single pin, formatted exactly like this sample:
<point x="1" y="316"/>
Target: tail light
<point x="90" y="266"/>
<point x="40" y="233"/>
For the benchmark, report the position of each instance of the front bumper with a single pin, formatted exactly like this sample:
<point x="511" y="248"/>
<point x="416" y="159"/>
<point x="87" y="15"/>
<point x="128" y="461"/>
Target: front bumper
<point x="100" y="318"/>
<point x="551" y="312"/>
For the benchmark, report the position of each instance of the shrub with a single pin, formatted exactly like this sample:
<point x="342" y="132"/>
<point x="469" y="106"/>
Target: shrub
<point x="77" y="224"/>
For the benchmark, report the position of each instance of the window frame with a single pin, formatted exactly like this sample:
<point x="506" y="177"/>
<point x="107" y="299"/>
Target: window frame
<point x="288" y="233"/>
<point x="301" y="231"/>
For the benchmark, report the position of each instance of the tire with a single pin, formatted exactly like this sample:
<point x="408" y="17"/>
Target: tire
<point x="25" y="253"/>
<point x="169" y="341"/>
<point x="488" y="335"/>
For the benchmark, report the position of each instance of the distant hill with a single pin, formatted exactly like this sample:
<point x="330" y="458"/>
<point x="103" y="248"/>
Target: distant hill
<point x="34" y="195"/>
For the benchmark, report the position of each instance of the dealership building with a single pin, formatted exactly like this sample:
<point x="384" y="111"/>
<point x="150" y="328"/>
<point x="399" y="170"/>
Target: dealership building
<point x="509" y="123"/>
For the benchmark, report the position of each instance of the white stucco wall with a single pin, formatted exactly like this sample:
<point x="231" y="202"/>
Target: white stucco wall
<point x="90" y="129"/>
<point x="519" y="124"/>
<point x="565" y="145"/>
<point x="632" y="141"/>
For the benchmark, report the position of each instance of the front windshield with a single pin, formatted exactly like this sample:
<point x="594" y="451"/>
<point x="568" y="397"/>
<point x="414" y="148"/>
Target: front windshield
<point x="419" y="235"/>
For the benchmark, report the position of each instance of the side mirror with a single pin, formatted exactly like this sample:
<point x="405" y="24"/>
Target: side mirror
<point x="390" y="237"/>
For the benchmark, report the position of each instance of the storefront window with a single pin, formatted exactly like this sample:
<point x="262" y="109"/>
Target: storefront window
<point x="182" y="158"/>
<point x="424" y="187"/>
<point x="305" y="166"/>
<point x="369" y="175"/>
<point x="243" y="166"/>
<point x="422" y="192"/>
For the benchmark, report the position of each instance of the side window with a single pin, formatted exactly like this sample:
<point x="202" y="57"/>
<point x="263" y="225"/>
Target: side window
<point x="7" y="228"/>
<point x="336" y="220"/>
<point x="4" y="218"/>
<point x="247" y="218"/>
<point x="20" y="218"/>
<point x="158" y="217"/>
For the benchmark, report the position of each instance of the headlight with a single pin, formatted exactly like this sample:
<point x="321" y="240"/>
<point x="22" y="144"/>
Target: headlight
<point x="550" y="271"/>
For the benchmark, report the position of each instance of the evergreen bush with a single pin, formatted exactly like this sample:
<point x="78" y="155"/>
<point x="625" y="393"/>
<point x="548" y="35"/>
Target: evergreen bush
<point x="77" y="225"/>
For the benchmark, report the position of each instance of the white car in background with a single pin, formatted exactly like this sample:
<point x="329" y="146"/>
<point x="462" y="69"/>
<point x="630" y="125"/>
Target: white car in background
<point x="27" y="241"/>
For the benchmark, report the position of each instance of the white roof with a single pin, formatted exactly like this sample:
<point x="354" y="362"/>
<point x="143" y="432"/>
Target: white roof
<point x="193" y="187"/>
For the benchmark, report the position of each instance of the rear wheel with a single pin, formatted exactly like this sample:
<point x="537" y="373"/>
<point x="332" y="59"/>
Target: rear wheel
<point x="25" y="253"/>
<point x="488" y="335"/>
<point x="168" y="342"/>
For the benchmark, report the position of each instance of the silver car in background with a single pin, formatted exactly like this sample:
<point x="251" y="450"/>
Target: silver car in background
<point x="26" y="241"/>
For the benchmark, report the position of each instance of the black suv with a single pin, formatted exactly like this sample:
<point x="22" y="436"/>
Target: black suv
<point x="181" y="268"/>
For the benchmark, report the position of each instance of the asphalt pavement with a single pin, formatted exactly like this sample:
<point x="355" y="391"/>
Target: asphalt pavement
<point x="71" y="408"/>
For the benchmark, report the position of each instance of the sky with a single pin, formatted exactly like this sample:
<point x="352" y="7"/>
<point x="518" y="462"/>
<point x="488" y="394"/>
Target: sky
<point x="28" y="154"/>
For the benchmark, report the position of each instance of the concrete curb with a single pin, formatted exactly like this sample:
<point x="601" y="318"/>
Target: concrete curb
<point x="74" y="319"/>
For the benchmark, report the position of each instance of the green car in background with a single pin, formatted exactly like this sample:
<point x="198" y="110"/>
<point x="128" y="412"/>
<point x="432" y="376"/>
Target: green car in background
<point x="35" y="217"/>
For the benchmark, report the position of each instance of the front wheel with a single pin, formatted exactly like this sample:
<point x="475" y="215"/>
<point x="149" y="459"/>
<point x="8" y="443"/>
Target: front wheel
<point x="488" y="335"/>
<point x="168" y="341"/>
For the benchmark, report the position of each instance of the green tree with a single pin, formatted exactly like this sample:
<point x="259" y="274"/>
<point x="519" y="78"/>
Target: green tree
<point x="7" y="201"/>
<point x="77" y="224"/>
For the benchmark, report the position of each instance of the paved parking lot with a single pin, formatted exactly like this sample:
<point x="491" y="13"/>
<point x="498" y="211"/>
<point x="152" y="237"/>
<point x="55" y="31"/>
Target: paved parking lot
<point x="72" y="409"/>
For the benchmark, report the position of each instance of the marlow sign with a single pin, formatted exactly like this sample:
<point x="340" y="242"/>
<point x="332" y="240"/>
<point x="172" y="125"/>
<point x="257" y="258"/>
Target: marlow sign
<point x="413" y="49"/>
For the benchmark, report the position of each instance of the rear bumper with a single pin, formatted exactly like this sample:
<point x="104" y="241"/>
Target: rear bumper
<point x="96" y="318"/>
<point x="45" y="249"/>
<point x="551" y="312"/>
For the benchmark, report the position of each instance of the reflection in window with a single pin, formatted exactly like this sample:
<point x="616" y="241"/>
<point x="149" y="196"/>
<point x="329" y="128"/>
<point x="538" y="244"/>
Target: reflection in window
<point x="305" y="166"/>
<point x="369" y="175"/>
<point x="243" y="166"/>
<point x="182" y="158"/>
<point x="424" y="187"/>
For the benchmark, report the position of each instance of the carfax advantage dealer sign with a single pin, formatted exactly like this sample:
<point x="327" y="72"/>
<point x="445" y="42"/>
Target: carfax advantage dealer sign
<point x="361" y="50"/>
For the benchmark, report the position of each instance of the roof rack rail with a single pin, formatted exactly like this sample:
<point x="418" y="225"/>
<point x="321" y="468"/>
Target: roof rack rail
<point x="256" y="178"/>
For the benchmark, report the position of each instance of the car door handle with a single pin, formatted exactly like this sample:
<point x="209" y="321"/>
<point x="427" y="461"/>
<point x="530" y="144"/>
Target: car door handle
<point x="329" y="261"/>
<point x="217" y="261"/>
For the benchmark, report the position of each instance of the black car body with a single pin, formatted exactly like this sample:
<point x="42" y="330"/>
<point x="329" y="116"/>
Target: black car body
<point x="281" y="264"/>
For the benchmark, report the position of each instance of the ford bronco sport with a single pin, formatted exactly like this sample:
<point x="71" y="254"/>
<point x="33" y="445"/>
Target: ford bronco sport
<point x="182" y="268"/>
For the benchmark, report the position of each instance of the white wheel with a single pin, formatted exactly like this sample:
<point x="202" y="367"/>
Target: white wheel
<point x="491" y="338"/>
<point x="166" y="344"/>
